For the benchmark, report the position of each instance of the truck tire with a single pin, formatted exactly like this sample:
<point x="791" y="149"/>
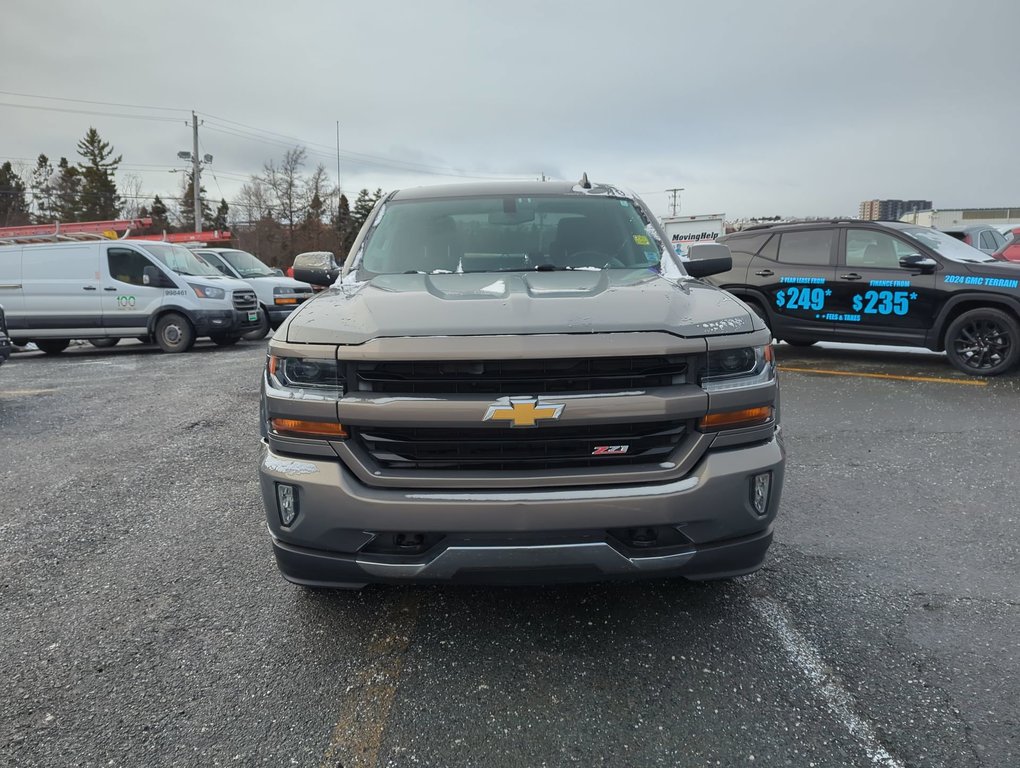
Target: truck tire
<point x="103" y="343"/>
<point x="174" y="333"/>
<point x="983" y="342"/>
<point x="261" y="330"/>
<point x="225" y="341"/>
<point x="52" y="346"/>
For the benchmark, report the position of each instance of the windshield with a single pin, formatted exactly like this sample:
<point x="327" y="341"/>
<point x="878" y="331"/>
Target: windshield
<point x="246" y="264"/>
<point x="510" y="234"/>
<point x="948" y="246"/>
<point x="181" y="260"/>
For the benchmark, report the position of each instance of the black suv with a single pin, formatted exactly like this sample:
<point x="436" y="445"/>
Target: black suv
<point x="5" y="341"/>
<point x="879" y="283"/>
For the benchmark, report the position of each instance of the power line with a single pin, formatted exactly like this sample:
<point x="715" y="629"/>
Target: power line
<point x="86" y="101"/>
<point x="153" y="118"/>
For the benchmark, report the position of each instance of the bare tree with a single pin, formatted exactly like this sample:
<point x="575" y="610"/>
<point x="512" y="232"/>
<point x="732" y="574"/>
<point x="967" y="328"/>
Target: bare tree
<point x="253" y="202"/>
<point x="286" y="184"/>
<point x="130" y="189"/>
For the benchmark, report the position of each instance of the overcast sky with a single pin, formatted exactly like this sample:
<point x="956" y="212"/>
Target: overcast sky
<point x="755" y="107"/>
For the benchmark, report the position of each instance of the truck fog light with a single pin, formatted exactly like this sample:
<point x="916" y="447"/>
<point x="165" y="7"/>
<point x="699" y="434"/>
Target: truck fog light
<point x="286" y="499"/>
<point x="760" y="487"/>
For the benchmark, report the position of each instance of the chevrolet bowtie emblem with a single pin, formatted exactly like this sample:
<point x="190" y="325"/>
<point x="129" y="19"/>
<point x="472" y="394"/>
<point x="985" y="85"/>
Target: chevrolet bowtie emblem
<point x="522" y="411"/>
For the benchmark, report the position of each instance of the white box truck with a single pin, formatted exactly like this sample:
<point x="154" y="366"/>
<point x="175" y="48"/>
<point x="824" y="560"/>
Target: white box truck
<point x="685" y="231"/>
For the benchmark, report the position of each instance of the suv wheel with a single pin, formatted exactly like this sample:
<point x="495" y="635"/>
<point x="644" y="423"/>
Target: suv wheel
<point x="983" y="342"/>
<point x="801" y="342"/>
<point x="52" y="346"/>
<point x="174" y="333"/>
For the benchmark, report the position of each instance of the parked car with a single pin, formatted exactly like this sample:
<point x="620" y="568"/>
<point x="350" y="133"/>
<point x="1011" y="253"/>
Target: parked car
<point x="524" y="383"/>
<point x="278" y="296"/>
<point x="879" y="283"/>
<point x="1009" y="252"/>
<point x="984" y="238"/>
<point x="5" y="340"/>
<point x="323" y="265"/>
<point x="113" y="289"/>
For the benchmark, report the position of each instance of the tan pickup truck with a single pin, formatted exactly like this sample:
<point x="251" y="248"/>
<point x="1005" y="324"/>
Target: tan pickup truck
<point x="519" y="383"/>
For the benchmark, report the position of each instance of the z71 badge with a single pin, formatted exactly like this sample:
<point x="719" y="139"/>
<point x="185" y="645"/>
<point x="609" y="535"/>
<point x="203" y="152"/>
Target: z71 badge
<point x="608" y="450"/>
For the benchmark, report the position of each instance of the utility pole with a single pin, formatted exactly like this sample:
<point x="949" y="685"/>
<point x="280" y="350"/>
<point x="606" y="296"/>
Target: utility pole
<point x="338" y="191"/>
<point x="674" y="205"/>
<point x="196" y="172"/>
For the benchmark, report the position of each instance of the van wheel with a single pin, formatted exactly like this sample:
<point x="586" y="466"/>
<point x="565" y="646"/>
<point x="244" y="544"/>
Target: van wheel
<point x="259" y="331"/>
<point x="52" y="346"/>
<point x="174" y="333"/>
<point x="801" y="342"/>
<point x="225" y="341"/>
<point x="102" y="343"/>
<point x="983" y="342"/>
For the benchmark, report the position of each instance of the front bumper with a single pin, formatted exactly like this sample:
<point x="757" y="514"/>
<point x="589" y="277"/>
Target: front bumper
<point x="522" y="536"/>
<point x="225" y="322"/>
<point x="277" y="314"/>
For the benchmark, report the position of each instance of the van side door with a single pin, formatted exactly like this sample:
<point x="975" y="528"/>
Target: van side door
<point x="12" y="297"/>
<point x="128" y="300"/>
<point x="61" y="289"/>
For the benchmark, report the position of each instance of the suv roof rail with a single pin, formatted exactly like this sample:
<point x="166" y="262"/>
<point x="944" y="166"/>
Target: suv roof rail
<point x="71" y="237"/>
<point x="771" y="224"/>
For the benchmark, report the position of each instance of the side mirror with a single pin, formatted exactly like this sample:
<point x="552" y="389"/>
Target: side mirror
<point x="918" y="263"/>
<point x="316" y="275"/>
<point x="704" y="259"/>
<point x="150" y="276"/>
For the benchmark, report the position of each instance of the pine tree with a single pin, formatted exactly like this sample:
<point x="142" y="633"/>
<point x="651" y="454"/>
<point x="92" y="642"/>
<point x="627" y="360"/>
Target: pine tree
<point x="158" y="212"/>
<point x="99" y="198"/>
<point x="343" y="225"/>
<point x="188" y="204"/>
<point x="42" y="190"/>
<point x="13" y="204"/>
<point x="219" y="219"/>
<point x="67" y="192"/>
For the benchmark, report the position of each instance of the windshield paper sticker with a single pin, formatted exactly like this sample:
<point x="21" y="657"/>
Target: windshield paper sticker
<point x="991" y="282"/>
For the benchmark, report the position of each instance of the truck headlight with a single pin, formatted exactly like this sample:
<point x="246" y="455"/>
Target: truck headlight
<point x="206" y="292"/>
<point x="738" y="368"/>
<point x="307" y="374"/>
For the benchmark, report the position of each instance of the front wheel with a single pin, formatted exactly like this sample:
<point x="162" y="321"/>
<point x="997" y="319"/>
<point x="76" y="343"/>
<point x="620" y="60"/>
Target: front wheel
<point x="225" y="341"/>
<point x="103" y="343"/>
<point x="983" y="342"/>
<point x="52" y="346"/>
<point x="259" y="331"/>
<point x="174" y="333"/>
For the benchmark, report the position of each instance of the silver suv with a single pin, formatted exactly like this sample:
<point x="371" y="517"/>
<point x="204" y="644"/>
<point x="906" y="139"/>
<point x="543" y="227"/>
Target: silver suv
<point x="519" y="382"/>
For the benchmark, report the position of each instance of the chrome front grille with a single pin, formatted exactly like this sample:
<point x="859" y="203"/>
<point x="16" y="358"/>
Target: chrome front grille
<point x="245" y="301"/>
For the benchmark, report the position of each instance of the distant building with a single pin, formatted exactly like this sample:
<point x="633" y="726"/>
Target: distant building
<point x="891" y="210"/>
<point x="963" y="217"/>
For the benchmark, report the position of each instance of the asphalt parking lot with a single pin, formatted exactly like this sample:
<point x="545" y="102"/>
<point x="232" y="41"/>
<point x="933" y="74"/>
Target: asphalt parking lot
<point x="144" y="622"/>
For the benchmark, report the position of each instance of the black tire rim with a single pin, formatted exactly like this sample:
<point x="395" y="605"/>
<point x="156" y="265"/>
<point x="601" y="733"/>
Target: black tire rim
<point x="983" y="344"/>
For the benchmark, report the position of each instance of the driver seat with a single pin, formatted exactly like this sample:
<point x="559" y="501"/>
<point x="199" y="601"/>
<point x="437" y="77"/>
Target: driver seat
<point x="575" y="234"/>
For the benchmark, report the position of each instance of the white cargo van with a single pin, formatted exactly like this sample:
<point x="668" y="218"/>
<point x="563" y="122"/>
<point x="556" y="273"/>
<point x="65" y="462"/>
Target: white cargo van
<point x="111" y="289"/>
<point x="278" y="295"/>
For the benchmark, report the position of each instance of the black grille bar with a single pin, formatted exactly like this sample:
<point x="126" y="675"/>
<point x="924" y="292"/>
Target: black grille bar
<point x="507" y="448"/>
<point x="518" y="377"/>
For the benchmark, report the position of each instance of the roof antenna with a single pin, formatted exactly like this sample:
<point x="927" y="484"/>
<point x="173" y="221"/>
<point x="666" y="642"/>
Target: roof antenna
<point x="585" y="184"/>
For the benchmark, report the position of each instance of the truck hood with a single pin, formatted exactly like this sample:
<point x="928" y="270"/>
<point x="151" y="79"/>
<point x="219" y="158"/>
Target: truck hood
<point x="517" y="303"/>
<point x="213" y="281"/>
<point x="278" y="282"/>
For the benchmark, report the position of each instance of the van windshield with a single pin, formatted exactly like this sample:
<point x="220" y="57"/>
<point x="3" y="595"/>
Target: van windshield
<point x="246" y="264"/>
<point x="510" y="234"/>
<point x="181" y="260"/>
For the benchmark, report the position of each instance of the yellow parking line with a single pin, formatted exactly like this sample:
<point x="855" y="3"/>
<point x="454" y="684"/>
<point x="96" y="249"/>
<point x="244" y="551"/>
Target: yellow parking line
<point x="894" y="376"/>
<point x="365" y="710"/>
<point x="25" y="392"/>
